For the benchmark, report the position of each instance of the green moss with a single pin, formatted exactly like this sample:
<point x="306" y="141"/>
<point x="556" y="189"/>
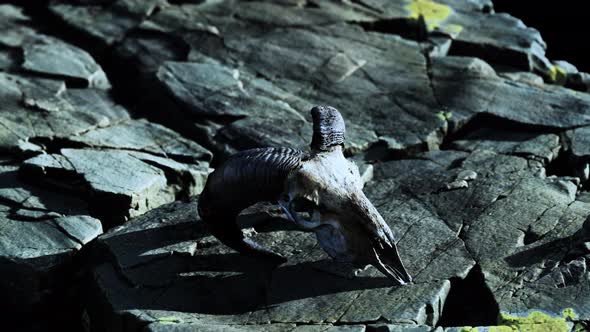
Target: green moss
<point x="535" y="321"/>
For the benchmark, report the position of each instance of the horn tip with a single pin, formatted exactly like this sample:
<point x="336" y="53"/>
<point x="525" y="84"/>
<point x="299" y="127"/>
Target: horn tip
<point x="328" y="128"/>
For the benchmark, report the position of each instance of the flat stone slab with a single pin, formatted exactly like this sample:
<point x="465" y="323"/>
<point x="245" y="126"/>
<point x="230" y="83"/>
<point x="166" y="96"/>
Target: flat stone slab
<point x="482" y="92"/>
<point x="147" y="137"/>
<point x="53" y="57"/>
<point x="192" y="266"/>
<point x="542" y="147"/>
<point x="524" y="229"/>
<point x="44" y="109"/>
<point x="543" y="247"/>
<point x="41" y="231"/>
<point x="129" y="182"/>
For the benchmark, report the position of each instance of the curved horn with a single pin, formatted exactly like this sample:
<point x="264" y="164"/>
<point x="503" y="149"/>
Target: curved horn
<point x="328" y="128"/>
<point x="246" y="178"/>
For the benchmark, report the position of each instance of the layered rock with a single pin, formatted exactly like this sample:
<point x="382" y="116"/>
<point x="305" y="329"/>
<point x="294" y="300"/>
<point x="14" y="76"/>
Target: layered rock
<point x="409" y="76"/>
<point x="73" y="162"/>
<point x="524" y="229"/>
<point x="265" y="66"/>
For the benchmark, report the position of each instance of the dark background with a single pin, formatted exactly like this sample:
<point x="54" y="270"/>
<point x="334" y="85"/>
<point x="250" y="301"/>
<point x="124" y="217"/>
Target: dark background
<point x="564" y="25"/>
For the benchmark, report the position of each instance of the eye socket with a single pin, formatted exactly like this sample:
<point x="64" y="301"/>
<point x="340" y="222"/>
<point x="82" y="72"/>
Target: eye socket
<point x="303" y="204"/>
<point x="304" y="207"/>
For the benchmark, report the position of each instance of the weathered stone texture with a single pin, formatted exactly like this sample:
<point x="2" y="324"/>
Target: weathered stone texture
<point x="472" y="145"/>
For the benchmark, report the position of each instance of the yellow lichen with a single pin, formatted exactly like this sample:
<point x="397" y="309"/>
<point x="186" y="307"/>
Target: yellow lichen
<point x="502" y="329"/>
<point x="557" y="75"/>
<point x="535" y="321"/>
<point x="468" y="329"/>
<point x="431" y="11"/>
<point x="444" y="116"/>
<point x="569" y="314"/>
<point x="433" y="14"/>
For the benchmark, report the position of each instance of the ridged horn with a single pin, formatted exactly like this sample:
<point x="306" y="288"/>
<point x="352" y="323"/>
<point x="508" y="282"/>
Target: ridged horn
<point x="246" y="178"/>
<point x="328" y="128"/>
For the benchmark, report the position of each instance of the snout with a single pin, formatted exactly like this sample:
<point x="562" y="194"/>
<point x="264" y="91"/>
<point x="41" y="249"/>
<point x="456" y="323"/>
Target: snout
<point x="383" y="253"/>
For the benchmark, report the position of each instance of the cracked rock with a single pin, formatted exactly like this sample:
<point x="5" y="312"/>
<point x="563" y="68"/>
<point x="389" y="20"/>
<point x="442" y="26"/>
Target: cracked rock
<point x="129" y="182"/>
<point x="542" y="147"/>
<point x="54" y="57"/>
<point x="549" y="107"/>
<point x="522" y="228"/>
<point x="409" y="76"/>
<point x="366" y="74"/>
<point x="44" y="109"/>
<point x="578" y="152"/>
<point x="163" y="240"/>
<point x="34" y="254"/>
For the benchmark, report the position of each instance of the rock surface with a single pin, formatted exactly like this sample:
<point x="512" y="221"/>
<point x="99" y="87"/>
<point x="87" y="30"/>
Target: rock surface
<point x="73" y="163"/>
<point x="519" y="225"/>
<point x="472" y="145"/>
<point x="192" y="266"/>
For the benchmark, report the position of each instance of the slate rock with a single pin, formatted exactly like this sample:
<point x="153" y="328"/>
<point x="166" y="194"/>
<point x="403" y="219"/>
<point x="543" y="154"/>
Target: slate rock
<point x="523" y="76"/>
<point x="179" y="326"/>
<point x="54" y="57"/>
<point x="343" y="75"/>
<point x="403" y="328"/>
<point x="106" y="23"/>
<point x="18" y="193"/>
<point x="502" y="39"/>
<point x="129" y="183"/>
<point x="561" y="71"/>
<point x="105" y="26"/>
<point x="521" y="227"/>
<point x="226" y="95"/>
<point x="579" y="81"/>
<point x="519" y="102"/>
<point x="360" y="71"/>
<point x="191" y="264"/>
<point x="577" y="149"/>
<point x="42" y="108"/>
<point x="35" y="253"/>
<point x="542" y="147"/>
<point x="144" y="136"/>
<point x="14" y="24"/>
<point x="235" y="75"/>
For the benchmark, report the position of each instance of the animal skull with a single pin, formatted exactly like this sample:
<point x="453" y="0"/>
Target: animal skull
<point x="320" y="192"/>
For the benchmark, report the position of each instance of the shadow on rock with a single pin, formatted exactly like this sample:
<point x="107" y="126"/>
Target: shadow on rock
<point x="554" y="250"/>
<point x="224" y="283"/>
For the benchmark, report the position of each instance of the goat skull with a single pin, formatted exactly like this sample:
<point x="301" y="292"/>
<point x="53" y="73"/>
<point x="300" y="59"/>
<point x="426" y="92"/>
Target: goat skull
<point x="320" y="192"/>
